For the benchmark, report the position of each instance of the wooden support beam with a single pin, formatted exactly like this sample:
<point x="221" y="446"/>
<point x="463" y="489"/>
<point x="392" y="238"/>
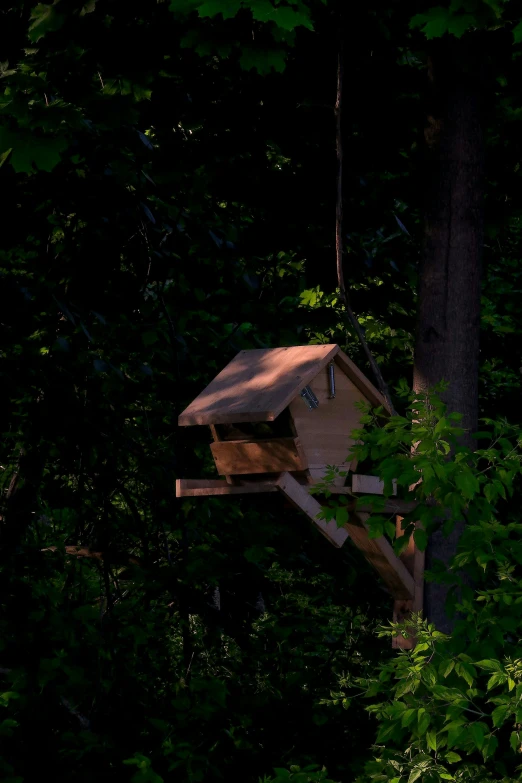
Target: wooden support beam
<point x="208" y="487"/>
<point x="299" y="496"/>
<point x="379" y="553"/>
<point x="390" y="506"/>
<point x="370" y="485"/>
<point x="414" y="560"/>
<point x="405" y="587"/>
<point x="393" y="507"/>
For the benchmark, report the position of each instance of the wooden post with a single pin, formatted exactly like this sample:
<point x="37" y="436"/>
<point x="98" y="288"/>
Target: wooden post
<point x="217" y="439"/>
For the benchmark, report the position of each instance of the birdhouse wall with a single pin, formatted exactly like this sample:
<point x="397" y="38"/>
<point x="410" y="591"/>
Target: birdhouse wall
<point x="324" y="433"/>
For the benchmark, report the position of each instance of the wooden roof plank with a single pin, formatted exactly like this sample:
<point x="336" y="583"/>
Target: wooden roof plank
<point x="257" y="385"/>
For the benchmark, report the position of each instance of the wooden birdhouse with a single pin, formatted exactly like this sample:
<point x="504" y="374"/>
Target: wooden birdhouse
<point x="279" y="419"/>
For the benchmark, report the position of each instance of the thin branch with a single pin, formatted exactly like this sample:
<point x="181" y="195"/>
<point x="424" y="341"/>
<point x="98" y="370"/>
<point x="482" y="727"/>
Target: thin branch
<point x="339" y="233"/>
<point x="339" y="152"/>
<point x="84" y="722"/>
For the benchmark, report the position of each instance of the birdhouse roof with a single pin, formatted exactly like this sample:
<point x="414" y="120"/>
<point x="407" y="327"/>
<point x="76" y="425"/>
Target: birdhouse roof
<point x="257" y="385"/>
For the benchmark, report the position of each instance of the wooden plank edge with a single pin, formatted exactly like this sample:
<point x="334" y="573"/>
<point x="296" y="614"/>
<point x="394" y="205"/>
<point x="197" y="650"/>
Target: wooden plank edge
<point x="390" y="506"/>
<point x="370" y="485"/>
<point x="210" y="487"/>
<point x="197" y="419"/>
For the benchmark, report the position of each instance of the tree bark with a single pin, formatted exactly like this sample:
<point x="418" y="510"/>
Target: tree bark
<point x="447" y="342"/>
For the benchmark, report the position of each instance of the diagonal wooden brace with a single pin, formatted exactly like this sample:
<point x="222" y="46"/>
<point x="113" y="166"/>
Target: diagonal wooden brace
<point x="378" y="551"/>
<point x="414" y="560"/>
<point x="299" y="496"/>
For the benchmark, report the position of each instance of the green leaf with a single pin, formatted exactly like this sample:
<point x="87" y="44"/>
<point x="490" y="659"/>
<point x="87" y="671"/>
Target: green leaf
<point x="467" y="483"/>
<point x="423" y="720"/>
<point x="500" y="714"/>
<point x="376" y="526"/>
<point x="434" y="23"/>
<point x="465" y="671"/>
<point x="283" y="16"/>
<point x="489" y="665"/>
<point x="490" y="492"/>
<point x="289" y="19"/>
<point x="517" y="33"/>
<point x="500" y="488"/>
<point x="183" y="6"/>
<point x="477" y="732"/>
<point x="421" y="538"/>
<point x="386" y="732"/>
<point x="44" y="19"/>
<point x="431" y="738"/>
<point x="446" y="667"/>
<point x="452" y="757"/>
<point x="408" y="717"/>
<point x="341" y="516"/>
<point x="406" y="686"/>
<point x="29" y="149"/>
<point x="490" y="746"/>
<point x="460" y="23"/>
<point x="9" y="695"/>
<point x="263" y="60"/>
<point x="428" y="673"/>
<point x="454" y="729"/>
<point x="262" y="10"/>
<point x="149" y="338"/>
<point x="5" y="155"/>
<point x="499" y="678"/>
<point x="228" y="8"/>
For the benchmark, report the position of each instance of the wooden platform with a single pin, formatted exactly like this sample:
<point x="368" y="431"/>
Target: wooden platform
<point x="378" y="551"/>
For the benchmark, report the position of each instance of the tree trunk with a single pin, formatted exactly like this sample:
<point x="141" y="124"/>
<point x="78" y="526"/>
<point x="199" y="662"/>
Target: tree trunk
<point x="447" y="342"/>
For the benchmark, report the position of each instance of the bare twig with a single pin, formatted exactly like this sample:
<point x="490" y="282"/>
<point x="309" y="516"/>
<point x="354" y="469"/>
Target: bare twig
<point x="84" y="722"/>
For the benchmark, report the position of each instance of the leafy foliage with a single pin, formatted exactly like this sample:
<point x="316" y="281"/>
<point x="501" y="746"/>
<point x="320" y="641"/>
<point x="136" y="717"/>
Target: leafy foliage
<point x="450" y="709"/>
